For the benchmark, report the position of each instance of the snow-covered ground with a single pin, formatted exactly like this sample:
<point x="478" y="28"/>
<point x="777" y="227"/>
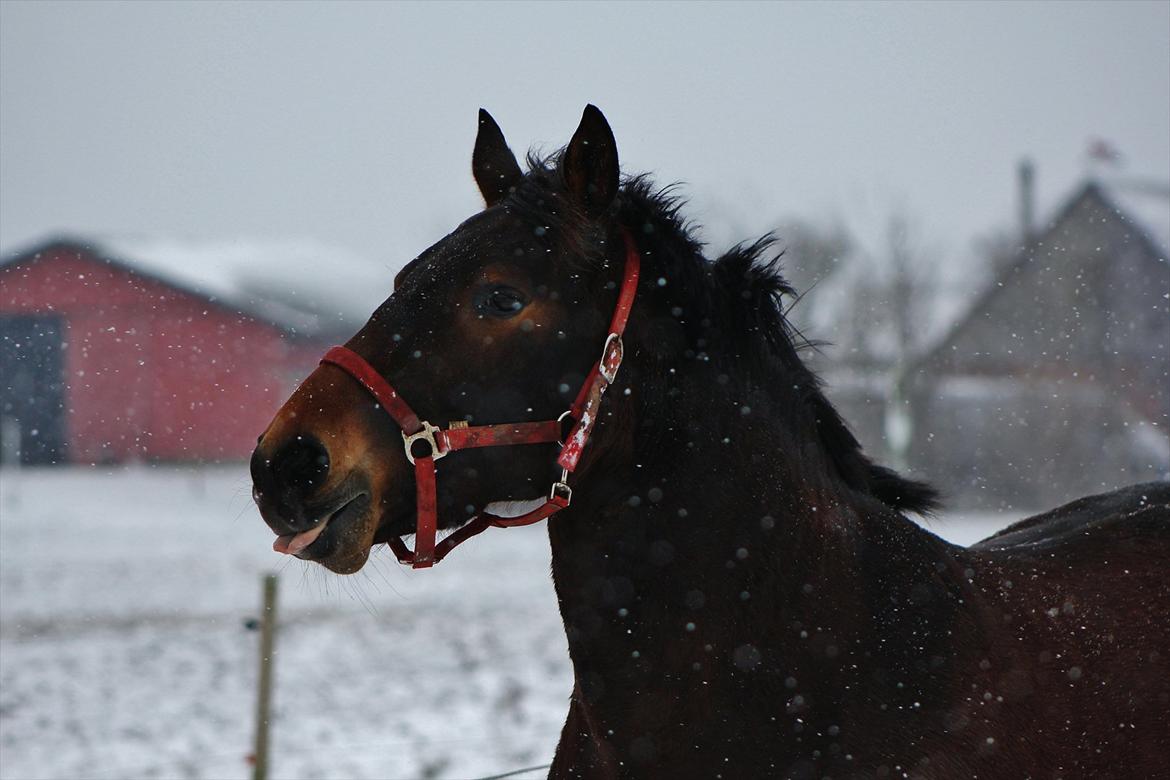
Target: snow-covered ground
<point x="124" y="653"/>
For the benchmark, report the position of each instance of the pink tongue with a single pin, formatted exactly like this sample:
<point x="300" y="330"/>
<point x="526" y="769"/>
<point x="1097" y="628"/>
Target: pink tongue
<point x="291" y="544"/>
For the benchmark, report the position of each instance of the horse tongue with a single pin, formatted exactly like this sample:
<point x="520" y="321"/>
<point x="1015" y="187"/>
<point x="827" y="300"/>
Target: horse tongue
<point x="291" y="544"/>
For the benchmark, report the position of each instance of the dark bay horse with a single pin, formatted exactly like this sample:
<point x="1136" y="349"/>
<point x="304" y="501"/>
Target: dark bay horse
<point x="742" y="592"/>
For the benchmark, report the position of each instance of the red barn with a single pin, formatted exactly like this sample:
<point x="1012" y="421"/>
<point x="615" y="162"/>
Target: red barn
<point x="105" y="359"/>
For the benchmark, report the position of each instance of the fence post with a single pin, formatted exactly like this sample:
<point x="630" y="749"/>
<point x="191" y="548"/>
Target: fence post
<point x="264" y="695"/>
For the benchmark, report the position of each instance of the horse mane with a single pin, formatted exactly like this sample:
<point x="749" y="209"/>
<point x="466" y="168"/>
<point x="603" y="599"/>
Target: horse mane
<point x="735" y="301"/>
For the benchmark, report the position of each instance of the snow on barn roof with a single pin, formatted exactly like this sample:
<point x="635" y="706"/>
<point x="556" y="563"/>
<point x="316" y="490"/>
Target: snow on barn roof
<point x="304" y="287"/>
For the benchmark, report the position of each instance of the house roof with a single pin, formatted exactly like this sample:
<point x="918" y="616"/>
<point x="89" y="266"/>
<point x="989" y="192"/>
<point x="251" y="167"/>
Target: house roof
<point x="304" y="288"/>
<point x="1144" y="205"/>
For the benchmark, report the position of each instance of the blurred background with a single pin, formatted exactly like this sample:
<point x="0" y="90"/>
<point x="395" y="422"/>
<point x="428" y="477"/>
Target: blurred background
<point x="197" y="198"/>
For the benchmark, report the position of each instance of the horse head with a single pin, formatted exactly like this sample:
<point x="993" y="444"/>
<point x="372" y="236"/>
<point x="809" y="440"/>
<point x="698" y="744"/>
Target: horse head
<point x="498" y="322"/>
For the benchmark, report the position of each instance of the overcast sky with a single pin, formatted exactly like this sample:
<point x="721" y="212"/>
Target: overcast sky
<point x="352" y="125"/>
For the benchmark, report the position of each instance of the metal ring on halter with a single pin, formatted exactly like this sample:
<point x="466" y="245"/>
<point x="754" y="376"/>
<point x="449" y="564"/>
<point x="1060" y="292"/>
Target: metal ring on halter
<point x="427" y="434"/>
<point x="567" y="413"/>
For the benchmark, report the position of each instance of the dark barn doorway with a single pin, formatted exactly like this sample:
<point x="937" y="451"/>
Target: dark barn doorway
<point x="32" y="389"/>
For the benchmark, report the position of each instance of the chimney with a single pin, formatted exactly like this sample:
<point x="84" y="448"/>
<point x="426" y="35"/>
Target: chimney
<point x="1027" y="175"/>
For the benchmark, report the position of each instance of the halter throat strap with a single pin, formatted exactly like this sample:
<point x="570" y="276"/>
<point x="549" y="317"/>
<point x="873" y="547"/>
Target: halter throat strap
<point x="425" y="443"/>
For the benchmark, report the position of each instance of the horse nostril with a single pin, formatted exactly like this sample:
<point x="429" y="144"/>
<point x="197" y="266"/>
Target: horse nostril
<point x="301" y="465"/>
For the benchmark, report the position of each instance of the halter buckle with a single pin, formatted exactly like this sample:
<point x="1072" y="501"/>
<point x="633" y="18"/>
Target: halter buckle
<point x="611" y="358"/>
<point x="561" y="488"/>
<point x="426" y="434"/>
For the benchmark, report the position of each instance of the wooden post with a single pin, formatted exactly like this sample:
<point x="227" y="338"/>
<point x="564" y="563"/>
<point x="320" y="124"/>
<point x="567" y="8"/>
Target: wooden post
<point x="264" y="697"/>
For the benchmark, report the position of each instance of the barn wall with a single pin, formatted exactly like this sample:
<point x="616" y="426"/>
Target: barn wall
<point x="152" y="371"/>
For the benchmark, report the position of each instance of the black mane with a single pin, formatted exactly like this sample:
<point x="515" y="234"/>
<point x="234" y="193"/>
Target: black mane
<point x="734" y="313"/>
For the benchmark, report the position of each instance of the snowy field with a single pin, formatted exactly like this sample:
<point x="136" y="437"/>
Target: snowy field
<point x="124" y="596"/>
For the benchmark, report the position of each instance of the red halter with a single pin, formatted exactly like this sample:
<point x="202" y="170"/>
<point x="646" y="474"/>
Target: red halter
<point x="459" y="436"/>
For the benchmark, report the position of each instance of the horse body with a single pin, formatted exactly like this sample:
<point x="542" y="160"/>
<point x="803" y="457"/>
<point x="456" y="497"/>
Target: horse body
<point x="732" y="608"/>
<point x="1079" y="600"/>
<point x="864" y="651"/>
<point x="742" y="593"/>
<point x="739" y="600"/>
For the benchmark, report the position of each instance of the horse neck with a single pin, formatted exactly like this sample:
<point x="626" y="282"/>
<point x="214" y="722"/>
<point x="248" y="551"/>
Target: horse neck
<point x="683" y="497"/>
<point x="702" y="543"/>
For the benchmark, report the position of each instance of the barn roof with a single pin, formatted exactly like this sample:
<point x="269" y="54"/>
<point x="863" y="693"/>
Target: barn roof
<point x="304" y="288"/>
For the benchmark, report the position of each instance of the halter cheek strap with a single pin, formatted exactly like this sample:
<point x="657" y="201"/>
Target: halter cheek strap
<point x="426" y="443"/>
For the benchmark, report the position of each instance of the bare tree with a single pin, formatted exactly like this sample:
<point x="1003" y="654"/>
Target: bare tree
<point x="884" y="302"/>
<point x="813" y="252"/>
<point x="913" y="283"/>
<point x="997" y="249"/>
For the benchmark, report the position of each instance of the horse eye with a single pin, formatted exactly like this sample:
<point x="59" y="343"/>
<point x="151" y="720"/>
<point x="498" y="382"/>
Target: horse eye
<point x="499" y="301"/>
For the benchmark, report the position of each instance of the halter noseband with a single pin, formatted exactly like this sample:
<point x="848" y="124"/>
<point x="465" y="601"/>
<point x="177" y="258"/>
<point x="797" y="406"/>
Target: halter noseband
<point x="458" y="435"/>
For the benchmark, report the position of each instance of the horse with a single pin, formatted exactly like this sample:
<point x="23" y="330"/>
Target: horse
<point x="743" y="592"/>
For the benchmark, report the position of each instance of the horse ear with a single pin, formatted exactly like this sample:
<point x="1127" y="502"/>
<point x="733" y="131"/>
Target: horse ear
<point x="492" y="162"/>
<point x="590" y="164"/>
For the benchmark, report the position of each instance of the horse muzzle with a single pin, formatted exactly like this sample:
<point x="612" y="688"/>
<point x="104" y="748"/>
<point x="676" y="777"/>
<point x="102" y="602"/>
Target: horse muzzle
<point x="321" y="474"/>
<point x="285" y="479"/>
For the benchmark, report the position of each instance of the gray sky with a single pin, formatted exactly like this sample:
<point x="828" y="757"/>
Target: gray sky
<point x="353" y="124"/>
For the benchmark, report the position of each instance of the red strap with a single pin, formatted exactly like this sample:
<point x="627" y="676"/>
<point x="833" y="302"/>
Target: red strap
<point x="625" y="302"/>
<point x="582" y="394"/>
<point x="401" y="551"/>
<point x="485" y="521"/>
<point x="356" y="366"/>
<point x="543" y="432"/>
<point x="550" y="507"/>
<point x="426" y="502"/>
<point x="588" y="403"/>
<point x="426" y="493"/>
<point x="476" y="526"/>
